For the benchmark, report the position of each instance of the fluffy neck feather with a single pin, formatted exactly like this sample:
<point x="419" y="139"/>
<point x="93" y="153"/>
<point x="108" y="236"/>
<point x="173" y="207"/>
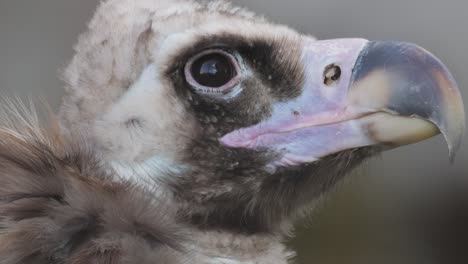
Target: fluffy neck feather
<point x="218" y="247"/>
<point x="207" y="247"/>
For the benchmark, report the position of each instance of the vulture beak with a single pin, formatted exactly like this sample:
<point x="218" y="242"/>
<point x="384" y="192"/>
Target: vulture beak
<point x="360" y="93"/>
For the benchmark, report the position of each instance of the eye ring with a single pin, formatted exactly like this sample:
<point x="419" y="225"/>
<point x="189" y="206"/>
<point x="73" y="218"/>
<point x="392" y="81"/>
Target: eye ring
<point x="222" y="62"/>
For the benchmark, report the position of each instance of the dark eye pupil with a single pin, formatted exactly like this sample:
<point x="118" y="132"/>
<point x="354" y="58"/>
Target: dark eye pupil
<point x="213" y="70"/>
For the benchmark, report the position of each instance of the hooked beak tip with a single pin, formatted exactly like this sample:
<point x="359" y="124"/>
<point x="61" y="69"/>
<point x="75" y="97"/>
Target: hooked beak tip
<point x="407" y="80"/>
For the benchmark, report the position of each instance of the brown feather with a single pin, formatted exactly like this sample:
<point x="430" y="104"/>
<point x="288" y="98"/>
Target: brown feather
<point x="58" y="204"/>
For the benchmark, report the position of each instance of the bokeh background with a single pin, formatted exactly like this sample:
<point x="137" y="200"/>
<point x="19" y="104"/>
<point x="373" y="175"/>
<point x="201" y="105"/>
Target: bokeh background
<point x="408" y="206"/>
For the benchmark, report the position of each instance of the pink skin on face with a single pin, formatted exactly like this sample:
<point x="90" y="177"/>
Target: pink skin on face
<point x="306" y="128"/>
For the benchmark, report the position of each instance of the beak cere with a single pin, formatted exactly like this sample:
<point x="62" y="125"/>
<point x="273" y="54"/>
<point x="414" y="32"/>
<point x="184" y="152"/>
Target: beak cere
<point x="356" y="94"/>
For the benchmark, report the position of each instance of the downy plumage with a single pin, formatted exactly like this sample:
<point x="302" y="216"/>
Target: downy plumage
<point x="149" y="161"/>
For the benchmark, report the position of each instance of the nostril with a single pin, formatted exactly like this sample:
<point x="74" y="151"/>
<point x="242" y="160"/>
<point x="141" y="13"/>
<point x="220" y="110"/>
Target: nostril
<point x="331" y="74"/>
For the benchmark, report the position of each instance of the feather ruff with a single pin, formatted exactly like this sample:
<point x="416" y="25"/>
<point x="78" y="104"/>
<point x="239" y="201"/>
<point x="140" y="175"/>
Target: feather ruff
<point x="58" y="203"/>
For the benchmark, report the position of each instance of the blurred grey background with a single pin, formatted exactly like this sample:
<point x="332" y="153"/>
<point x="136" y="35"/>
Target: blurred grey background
<point x="408" y="206"/>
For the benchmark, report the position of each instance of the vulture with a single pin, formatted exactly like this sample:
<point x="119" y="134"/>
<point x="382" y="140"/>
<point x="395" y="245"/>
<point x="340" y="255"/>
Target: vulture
<point x="200" y="132"/>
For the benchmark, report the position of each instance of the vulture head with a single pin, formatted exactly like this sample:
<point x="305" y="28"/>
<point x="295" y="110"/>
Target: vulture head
<point x="241" y="125"/>
<point x="244" y="123"/>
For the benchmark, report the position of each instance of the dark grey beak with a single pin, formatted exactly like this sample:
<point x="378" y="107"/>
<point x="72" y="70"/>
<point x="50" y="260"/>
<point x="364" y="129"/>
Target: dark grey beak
<point x="408" y="81"/>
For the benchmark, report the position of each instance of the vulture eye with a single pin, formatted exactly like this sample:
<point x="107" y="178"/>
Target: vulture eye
<point x="212" y="71"/>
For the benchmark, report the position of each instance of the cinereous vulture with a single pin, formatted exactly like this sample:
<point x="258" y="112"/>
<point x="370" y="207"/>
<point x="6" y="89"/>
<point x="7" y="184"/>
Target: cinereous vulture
<point x="199" y="132"/>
